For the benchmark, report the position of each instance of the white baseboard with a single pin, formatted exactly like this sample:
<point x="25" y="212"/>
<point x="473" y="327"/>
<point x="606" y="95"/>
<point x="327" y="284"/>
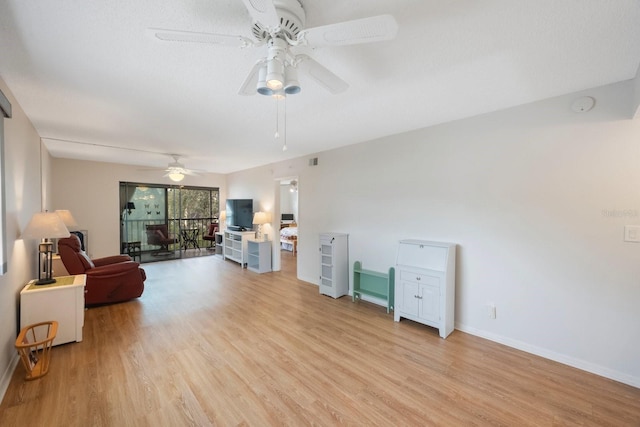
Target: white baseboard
<point x="538" y="351"/>
<point x="556" y="357"/>
<point x="7" y="375"/>
<point x="309" y="280"/>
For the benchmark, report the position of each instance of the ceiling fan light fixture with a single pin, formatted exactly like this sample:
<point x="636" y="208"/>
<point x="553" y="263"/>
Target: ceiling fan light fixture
<point x="275" y="75"/>
<point x="292" y="88"/>
<point x="292" y="85"/>
<point x="262" y="88"/>
<point x="275" y="63"/>
<point x="176" y="176"/>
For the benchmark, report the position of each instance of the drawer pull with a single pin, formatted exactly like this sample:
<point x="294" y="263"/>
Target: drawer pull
<point x="417" y="277"/>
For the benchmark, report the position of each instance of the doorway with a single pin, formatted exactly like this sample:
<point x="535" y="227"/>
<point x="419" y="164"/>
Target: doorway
<point x="287" y="194"/>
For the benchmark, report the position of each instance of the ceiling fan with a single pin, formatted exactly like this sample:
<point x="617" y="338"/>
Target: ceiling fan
<point x="280" y="25"/>
<point x="175" y="170"/>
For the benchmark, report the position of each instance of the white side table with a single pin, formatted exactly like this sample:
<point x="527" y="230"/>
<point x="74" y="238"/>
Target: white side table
<point x="259" y="256"/>
<point x="62" y="301"/>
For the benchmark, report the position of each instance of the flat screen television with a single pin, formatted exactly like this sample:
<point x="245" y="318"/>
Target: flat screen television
<point x="240" y="214"/>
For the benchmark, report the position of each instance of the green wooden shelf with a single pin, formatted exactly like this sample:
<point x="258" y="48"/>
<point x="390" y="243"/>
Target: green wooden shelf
<point x="373" y="283"/>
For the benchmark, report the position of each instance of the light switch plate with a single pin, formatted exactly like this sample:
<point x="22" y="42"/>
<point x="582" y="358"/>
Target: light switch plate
<point x="632" y="233"/>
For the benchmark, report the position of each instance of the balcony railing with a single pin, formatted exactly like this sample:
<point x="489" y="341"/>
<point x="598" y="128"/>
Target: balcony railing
<point x="135" y="231"/>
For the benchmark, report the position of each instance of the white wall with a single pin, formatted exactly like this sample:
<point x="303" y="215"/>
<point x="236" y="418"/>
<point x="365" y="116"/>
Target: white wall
<point x="90" y="190"/>
<point x="536" y="197"/>
<point x="22" y="188"/>
<point x="636" y="102"/>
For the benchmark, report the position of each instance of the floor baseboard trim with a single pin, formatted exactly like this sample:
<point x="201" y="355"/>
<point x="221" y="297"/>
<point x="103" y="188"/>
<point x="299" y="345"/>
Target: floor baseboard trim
<point x="556" y="357"/>
<point x="7" y="375"/>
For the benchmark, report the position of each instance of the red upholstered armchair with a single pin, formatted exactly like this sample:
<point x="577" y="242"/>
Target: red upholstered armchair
<point x="110" y="279"/>
<point x="211" y="235"/>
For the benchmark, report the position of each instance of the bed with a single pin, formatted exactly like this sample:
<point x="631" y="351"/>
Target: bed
<point x="289" y="238"/>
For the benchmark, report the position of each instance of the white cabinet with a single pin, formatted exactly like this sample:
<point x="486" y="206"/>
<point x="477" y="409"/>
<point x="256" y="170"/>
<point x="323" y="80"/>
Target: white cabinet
<point x="259" y="256"/>
<point x="62" y="301"/>
<point x="425" y="291"/>
<point x="235" y="245"/>
<point x="420" y="295"/>
<point x="334" y="264"/>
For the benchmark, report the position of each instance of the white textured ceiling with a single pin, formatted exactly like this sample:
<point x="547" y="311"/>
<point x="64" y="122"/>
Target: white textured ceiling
<point x="88" y="76"/>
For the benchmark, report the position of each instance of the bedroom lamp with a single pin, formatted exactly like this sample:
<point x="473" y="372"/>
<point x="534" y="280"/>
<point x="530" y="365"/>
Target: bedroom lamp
<point x="260" y="218"/>
<point x="45" y="226"/>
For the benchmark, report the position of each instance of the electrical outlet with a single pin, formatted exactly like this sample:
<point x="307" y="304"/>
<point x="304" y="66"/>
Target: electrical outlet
<point x="491" y="311"/>
<point x="632" y="233"/>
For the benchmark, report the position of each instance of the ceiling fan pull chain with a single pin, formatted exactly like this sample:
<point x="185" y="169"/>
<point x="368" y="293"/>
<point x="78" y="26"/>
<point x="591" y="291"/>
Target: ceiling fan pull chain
<point x="284" y="127"/>
<point x="277" y="134"/>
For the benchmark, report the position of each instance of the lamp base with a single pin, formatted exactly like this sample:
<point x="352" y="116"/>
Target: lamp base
<point x="44" y="281"/>
<point x="45" y="263"/>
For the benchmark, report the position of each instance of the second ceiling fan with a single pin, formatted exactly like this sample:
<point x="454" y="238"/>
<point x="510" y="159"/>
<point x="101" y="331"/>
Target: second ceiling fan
<point x="280" y="26"/>
<point x="175" y="170"/>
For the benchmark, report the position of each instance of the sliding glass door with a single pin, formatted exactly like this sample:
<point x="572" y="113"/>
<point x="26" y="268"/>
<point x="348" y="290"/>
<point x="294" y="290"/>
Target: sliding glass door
<point x="148" y="211"/>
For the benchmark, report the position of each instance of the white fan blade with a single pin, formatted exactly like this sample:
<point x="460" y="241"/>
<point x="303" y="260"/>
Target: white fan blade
<point x="191" y="37"/>
<point x="366" y="30"/>
<point x="264" y="12"/>
<point x="249" y="85"/>
<point x="182" y="171"/>
<point x="322" y="75"/>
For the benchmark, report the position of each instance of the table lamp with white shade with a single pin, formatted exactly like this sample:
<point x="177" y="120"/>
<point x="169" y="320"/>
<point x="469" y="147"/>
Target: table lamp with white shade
<point x="68" y="219"/>
<point x="72" y="226"/>
<point x="260" y="218"/>
<point x="45" y="226"/>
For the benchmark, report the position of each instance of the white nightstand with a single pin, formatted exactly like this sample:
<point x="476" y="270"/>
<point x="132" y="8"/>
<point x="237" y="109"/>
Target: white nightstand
<point x="62" y="301"/>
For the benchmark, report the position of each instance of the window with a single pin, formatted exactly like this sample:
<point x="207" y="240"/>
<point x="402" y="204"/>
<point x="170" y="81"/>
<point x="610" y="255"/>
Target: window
<point x="194" y="204"/>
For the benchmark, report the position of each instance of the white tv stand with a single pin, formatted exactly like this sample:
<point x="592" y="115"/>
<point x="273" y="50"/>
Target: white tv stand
<point x="235" y="245"/>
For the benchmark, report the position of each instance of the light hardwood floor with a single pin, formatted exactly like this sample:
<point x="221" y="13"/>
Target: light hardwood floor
<point x="211" y="344"/>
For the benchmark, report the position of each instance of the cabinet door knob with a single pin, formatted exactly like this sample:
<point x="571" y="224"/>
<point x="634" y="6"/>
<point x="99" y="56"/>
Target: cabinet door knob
<point x="417" y="277"/>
